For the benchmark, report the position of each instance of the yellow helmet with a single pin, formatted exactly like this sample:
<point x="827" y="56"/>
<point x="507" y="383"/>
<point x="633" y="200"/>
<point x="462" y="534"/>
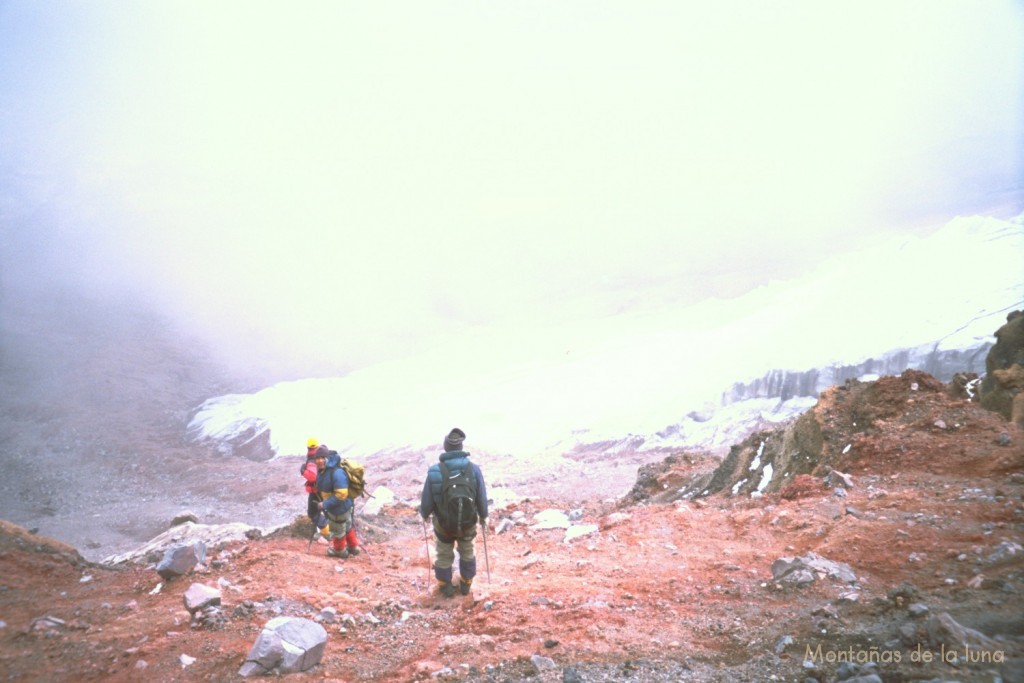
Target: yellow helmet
<point x="312" y="443"/>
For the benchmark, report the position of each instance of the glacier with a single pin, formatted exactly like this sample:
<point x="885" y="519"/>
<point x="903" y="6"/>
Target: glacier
<point x="651" y="380"/>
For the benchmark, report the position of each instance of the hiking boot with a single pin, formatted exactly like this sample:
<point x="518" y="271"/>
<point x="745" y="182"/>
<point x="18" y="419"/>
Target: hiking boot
<point x="464" y="586"/>
<point x="337" y="553"/>
<point x="353" y="551"/>
<point x="447" y="590"/>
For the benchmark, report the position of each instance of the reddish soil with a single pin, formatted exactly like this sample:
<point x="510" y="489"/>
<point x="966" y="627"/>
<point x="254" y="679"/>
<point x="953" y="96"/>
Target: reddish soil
<point x="675" y="591"/>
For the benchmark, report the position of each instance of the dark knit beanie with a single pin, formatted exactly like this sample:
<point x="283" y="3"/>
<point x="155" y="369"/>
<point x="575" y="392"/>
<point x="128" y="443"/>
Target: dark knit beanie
<point x="453" y="442"/>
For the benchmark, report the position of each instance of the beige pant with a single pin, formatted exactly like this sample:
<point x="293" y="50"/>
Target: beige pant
<point x="445" y="545"/>
<point x="340" y="525"/>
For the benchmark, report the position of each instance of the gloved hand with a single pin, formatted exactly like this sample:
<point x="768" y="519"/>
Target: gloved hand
<point x="321" y="520"/>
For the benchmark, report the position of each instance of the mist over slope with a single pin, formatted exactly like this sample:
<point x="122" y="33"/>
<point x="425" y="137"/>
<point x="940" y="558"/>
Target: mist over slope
<point x="97" y="393"/>
<point x="648" y="380"/>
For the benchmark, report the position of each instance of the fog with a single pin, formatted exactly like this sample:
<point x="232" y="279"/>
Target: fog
<point x="326" y="186"/>
<point x="941" y="294"/>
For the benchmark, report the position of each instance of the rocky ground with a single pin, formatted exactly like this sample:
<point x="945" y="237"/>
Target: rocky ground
<point x="918" y="549"/>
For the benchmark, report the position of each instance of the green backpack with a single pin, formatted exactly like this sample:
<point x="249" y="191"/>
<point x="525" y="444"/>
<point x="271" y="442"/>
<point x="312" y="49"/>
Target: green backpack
<point x="356" y="478"/>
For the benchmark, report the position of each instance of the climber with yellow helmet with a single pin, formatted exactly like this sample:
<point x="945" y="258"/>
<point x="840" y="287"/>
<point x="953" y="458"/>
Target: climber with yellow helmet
<point x="309" y="472"/>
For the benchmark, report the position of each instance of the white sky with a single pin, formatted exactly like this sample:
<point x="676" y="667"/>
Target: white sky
<point x="352" y="182"/>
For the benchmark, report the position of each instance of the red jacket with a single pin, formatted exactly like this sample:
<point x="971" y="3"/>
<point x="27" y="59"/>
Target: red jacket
<point x="309" y="473"/>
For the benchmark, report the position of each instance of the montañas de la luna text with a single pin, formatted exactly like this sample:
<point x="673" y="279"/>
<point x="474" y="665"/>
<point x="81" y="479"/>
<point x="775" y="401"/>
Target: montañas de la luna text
<point x="964" y="655"/>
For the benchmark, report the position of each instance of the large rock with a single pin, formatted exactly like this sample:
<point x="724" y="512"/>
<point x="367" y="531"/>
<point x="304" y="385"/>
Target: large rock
<point x="1002" y="389"/>
<point x="944" y="630"/>
<point x="179" y="560"/>
<point x="286" y="645"/>
<point x="380" y="497"/>
<point x="183" y="517"/>
<point x="810" y="567"/>
<point x="188" y="534"/>
<point x="200" y="596"/>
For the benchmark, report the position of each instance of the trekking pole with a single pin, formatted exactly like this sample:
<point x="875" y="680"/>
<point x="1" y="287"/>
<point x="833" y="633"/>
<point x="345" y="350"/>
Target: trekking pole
<point x="368" y="555"/>
<point x="312" y="538"/>
<point x="426" y="544"/>
<point x="487" y="560"/>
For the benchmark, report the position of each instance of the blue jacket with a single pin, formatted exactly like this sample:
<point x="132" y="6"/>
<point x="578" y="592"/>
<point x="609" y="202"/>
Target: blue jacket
<point x="332" y="485"/>
<point x="455" y="461"/>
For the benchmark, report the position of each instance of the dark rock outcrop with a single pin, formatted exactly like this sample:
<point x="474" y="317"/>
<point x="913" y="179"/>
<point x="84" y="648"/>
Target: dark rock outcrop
<point x="850" y="426"/>
<point x="815" y="443"/>
<point x="1002" y="389"/>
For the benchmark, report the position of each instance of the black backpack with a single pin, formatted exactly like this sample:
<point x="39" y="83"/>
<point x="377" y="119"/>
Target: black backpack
<point x="457" y="508"/>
